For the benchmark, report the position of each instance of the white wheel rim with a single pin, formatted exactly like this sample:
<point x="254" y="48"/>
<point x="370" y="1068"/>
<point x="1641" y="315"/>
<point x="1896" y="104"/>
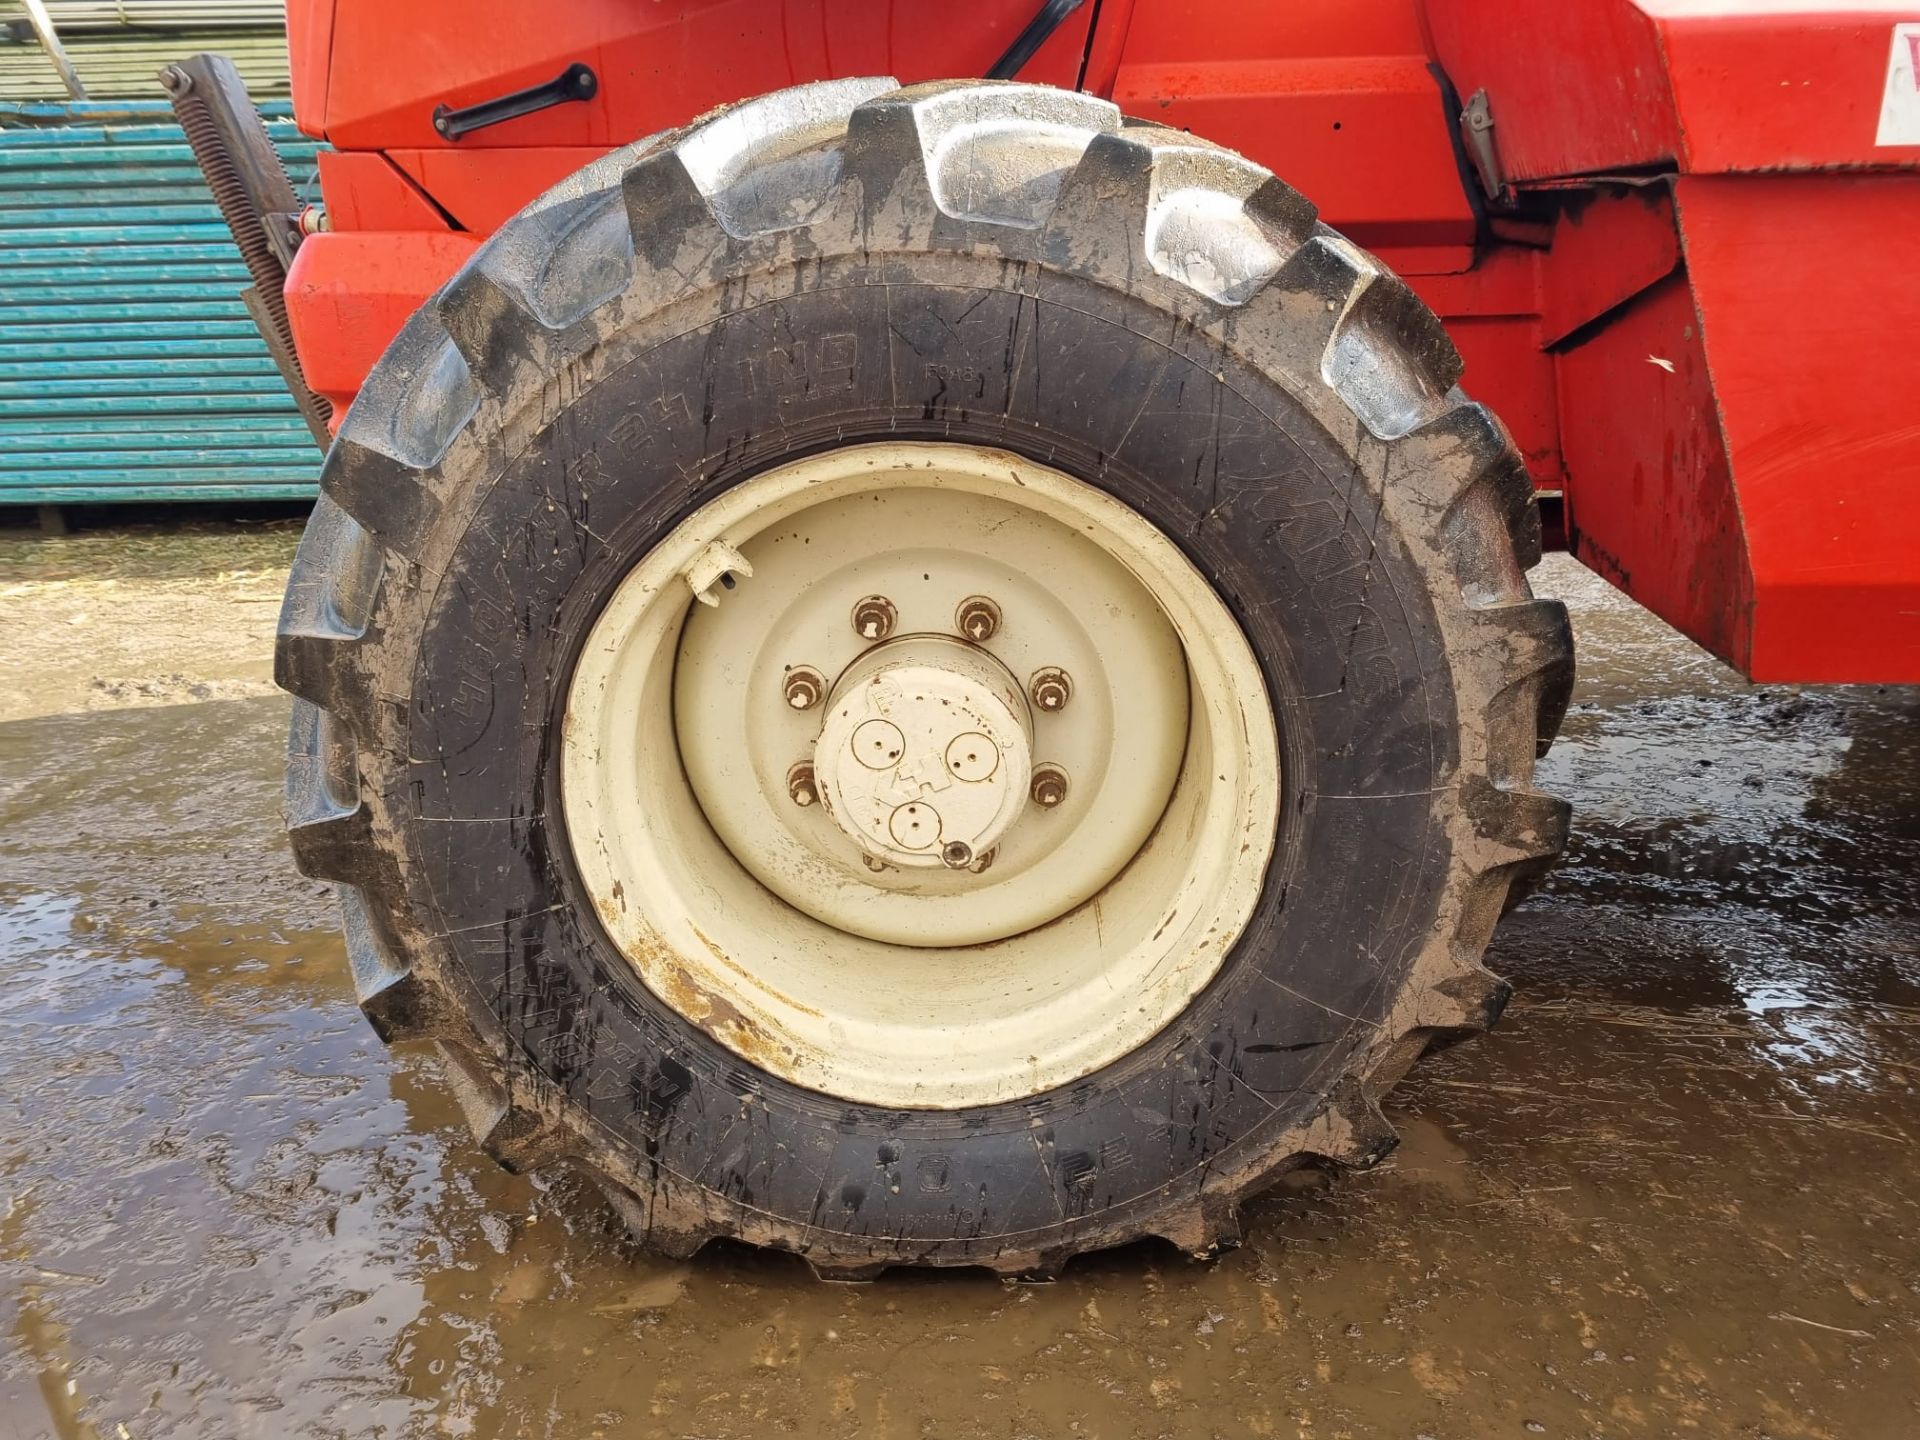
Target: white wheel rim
<point x="927" y="982"/>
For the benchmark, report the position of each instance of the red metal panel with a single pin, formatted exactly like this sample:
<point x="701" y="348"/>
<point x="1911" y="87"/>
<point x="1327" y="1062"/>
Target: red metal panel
<point x="1575" y="87"/>
<point x="1335" y="95"/>
<point x="1649" y="494"/>
<point x="364" y="191"/>
<point x="1805" y="290"/>
<point x="1427" y="259"/>
<point x="349" y="293"/>
<point x="1742" y="440"/>
<point x="1739" y="447"/>
<point x="1504" y="281"/>
<point x="659" y="64"/>
<point x="1759" y="87"/>
<point x="1113" y="21"/>
<point x="1707" y="86"/>
<point x="1607" y="248"/>
<point x="309" y="48"/>
<point x="481" y="189"/>
<point x="912" y="41"/>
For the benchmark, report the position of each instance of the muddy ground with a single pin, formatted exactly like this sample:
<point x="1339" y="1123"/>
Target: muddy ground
<point x="1678" y="1192"/>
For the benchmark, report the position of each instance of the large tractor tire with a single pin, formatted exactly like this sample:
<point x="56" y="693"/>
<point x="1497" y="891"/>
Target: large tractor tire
<point x="923" y="676"/>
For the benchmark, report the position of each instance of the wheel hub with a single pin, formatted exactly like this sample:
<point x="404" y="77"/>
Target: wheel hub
<point x="925" y="753"/>
<point x="963" y="788"/>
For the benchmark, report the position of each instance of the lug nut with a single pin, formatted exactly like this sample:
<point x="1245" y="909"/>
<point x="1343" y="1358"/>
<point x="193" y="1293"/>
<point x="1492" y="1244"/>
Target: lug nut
<point x="800" y="786"/>
<point x="803" y="687"/>
<point x="1051" y="689"/>
<point x="956" y="855"/>
<point x="874" y="617"/>
<point x="1049" y="786"/>
<point x="977" y="618"/>
<point x="982" y="861"/>
<point x="874" y="863"/>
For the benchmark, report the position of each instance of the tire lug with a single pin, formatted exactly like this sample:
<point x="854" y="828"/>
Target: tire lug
<point x="800" y="785"/>
<point x="874" y="617"/>
<point x="803" y="687"/>
<point x="1050" y="688"/>
<point x="977" y="618"/>
<point x="1049" y="786"/>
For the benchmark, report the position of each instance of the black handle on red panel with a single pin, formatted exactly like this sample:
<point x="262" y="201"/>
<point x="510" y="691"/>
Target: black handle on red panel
<point x="576" y="82"/>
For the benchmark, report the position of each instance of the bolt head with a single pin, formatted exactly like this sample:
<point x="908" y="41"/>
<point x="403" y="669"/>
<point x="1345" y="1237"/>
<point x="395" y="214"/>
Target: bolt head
<point x="874" y="617"/>
<point x="803" y="687"/>
<point x="978" y="618"/>
<point x="1049" y="786"/>
<point x="801" y="788"/>
<point x="1050" y="689"/>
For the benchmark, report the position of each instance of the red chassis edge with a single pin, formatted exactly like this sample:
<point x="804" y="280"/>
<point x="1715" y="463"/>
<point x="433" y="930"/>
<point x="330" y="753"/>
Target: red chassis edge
<point x="1679" y="250"/>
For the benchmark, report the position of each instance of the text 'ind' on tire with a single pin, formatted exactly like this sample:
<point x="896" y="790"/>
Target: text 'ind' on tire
<point x="923" y="676"/>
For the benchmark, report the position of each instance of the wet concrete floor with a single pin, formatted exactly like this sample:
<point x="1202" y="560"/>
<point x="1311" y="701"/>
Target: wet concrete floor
<point x="1678" y="1192"/>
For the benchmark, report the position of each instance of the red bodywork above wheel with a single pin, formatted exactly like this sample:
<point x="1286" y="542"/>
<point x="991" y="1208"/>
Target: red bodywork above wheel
<point x="1682" y="268"/>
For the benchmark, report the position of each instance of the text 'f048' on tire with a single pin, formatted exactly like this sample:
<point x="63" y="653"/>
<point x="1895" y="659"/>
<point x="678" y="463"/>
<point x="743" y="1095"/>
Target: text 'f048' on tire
<point x="923" y="676"/>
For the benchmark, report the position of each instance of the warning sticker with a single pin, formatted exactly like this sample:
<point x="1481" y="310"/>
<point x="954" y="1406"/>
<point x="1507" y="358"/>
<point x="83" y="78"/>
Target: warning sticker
<point x="1900" y="106"/>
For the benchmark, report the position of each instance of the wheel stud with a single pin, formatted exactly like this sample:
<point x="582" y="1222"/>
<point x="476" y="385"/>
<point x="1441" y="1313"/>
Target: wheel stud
<point x="977" y="618"/>
<point x="1049" y="786"/>
<point x="1051" y="688"/>
<point x="874" y="617"/>
<point x="800" y="787"/>
<point x="804" y="687"/>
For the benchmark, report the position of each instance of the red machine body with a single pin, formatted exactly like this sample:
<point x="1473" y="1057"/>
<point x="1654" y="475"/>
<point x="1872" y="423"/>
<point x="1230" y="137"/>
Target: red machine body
<point x="1677" y="242"/>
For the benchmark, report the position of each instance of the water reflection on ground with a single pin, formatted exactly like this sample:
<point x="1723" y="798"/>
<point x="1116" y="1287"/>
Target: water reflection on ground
<point x="1679" y="1190"/>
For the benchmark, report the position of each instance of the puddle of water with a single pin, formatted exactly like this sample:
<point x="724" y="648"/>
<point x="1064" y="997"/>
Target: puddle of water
<point x="182" y="548"/>
<point x="1679" y="1189"/>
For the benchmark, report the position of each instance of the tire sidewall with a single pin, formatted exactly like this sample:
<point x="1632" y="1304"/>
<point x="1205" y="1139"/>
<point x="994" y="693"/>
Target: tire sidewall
<point x="1068" y="373"/>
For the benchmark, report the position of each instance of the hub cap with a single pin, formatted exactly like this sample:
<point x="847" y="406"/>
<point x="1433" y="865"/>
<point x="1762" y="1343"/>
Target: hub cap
<point x="920" y="775"/>
<point x="926" y="752"/>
